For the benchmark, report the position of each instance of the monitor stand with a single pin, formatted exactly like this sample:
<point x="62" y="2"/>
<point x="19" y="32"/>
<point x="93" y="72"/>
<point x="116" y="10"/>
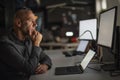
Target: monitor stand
<point x="112" y="69"/>
<point x="115" y="67"/>
<point x="108" y="67"/>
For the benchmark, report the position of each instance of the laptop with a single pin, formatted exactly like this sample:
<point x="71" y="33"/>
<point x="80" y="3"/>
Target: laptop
<point x="75" y="69"/>
<point x="81" y="48"/>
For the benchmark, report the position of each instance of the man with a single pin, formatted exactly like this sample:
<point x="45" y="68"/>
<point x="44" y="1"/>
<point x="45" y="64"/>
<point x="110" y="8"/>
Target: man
<point x="20" y="52"/>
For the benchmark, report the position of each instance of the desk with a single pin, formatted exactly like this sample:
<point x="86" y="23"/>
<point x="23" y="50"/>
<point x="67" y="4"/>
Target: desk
<point x="62" y="45"/>
<point x="59" y="59"/>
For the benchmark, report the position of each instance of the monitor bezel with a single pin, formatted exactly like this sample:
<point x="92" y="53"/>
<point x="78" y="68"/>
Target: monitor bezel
<point x="113" y="34"/>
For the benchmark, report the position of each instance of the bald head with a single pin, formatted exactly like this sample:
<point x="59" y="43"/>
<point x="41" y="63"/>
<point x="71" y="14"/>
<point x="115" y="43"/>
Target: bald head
<point x="22" y="13"/>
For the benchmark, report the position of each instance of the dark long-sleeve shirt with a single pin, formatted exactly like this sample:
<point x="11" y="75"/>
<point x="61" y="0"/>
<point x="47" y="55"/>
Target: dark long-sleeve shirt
<point x="19" y="59"/>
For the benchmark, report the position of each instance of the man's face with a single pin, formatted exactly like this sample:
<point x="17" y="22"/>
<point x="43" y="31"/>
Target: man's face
<point x="28" y="24"/>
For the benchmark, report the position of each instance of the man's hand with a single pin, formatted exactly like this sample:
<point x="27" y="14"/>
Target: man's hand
<point x="36" y="38"/>
<point x="42" y="68"/>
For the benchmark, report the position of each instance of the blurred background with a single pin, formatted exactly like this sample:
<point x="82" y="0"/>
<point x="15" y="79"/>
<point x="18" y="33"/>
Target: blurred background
<point x="58" y="20"/>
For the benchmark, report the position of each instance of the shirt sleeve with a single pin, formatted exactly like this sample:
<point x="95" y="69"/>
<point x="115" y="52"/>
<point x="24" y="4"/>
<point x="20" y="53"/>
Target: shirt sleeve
<point x="45" y="59"/>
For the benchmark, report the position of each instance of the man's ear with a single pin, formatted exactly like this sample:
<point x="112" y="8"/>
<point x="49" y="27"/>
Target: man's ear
<point x="18" y="22"/>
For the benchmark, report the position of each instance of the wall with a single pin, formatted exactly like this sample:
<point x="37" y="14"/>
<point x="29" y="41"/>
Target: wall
<point x="6" y="13"/>
<point x="111" y="3"/>
<point x="67" y="15"/>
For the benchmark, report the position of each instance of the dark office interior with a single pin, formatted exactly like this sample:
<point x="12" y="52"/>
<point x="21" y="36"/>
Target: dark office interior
<point x="59" y="23"/>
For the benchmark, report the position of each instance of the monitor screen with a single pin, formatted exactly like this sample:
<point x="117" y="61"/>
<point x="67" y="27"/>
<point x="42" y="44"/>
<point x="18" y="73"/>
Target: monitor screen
<point x="88" y="29"/>
<point x="40" y="20"/>
<point x="107" y="27"/>
<point x="82" y="46"/>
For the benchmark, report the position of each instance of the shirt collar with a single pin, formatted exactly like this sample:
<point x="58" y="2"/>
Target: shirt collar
<point x="14" y="38"/>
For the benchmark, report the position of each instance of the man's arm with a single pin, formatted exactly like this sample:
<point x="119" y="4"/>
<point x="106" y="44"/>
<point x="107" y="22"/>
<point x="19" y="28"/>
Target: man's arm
<point x="14" y="59"/>
<point x="45" y="63"/>
<point x="45" y="59"/>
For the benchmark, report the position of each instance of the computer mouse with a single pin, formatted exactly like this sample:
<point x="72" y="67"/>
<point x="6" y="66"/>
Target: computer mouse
<point x="67" y="54"/>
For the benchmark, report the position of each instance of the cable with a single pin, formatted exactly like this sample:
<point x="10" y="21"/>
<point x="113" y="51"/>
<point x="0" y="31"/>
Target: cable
<point x="89" y="32"/>
<point x="94" y="68"/>
<point x="94" y="47"/>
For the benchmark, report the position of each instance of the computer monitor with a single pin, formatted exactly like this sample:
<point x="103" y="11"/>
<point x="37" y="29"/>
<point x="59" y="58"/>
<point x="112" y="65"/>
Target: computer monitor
<point x="40" y="20"/>
<point x="88" y="29"/>
<point x="82" y="46"/>
<point x="106" y="29"/>
<point x="106" y="34"/>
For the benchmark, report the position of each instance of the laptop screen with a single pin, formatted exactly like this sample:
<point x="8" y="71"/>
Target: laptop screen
<point x="87" y="59"/>
<point x="82" y="46"/>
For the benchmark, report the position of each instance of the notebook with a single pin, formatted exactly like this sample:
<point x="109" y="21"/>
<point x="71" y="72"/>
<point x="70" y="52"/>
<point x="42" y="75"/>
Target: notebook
<point x="79" y="50"/>
<point x="75" y="69"/>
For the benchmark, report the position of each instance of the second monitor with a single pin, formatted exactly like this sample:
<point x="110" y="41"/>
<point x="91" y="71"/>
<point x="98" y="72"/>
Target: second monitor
<point x="88" y="29"/>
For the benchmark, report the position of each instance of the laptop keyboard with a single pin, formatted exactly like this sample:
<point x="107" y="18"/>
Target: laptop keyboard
<point x="68" y="70"/>
<point x="72" y="53"/>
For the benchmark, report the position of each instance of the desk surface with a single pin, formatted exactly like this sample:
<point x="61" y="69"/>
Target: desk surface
<point x="59" y="44"/>
<point x="59" y="59"/>
<point x="63" y="45"/>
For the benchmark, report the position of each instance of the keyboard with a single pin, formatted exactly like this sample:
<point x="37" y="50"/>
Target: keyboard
<point x="72" y="53"/>
<point x="68" y="70"/>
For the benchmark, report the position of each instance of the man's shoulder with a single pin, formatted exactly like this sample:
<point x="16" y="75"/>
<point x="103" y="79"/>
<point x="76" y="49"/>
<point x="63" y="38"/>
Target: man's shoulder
<point x="5" y="39"/>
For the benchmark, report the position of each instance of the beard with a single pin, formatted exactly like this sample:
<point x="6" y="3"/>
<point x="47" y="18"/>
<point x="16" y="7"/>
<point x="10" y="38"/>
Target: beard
<point x="25" y="30"/>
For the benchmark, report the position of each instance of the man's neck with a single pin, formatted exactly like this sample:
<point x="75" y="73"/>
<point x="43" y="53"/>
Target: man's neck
<point x="20" y="36"/>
